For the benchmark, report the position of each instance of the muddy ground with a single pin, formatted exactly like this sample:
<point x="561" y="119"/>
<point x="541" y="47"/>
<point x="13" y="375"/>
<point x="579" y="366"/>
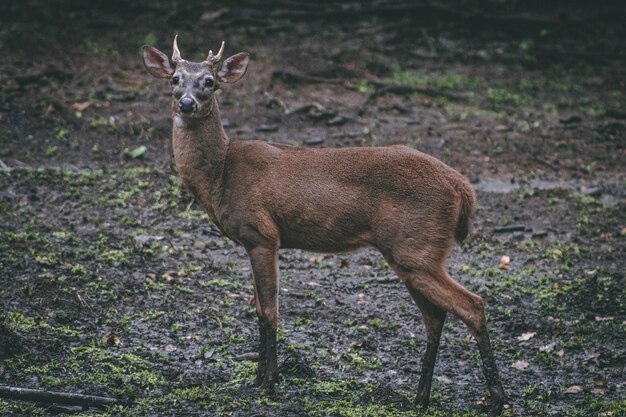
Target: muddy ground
<point x="114" y="283"/>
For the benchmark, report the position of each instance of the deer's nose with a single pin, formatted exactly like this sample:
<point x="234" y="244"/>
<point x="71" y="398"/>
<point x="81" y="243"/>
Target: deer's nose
<point x="187" y="104"/>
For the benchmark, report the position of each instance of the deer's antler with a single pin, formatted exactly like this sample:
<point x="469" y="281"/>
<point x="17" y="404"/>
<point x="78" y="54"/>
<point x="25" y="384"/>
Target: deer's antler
<point x="215" y="58"/>
<point x="176" y="54"/>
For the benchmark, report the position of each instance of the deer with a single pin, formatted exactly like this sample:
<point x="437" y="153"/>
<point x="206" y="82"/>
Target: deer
<point x="408" y="205"/>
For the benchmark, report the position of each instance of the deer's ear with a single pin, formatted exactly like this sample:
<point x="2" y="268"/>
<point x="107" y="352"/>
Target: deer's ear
<point x="234" y="68"/>
<point x="156" y="62"/>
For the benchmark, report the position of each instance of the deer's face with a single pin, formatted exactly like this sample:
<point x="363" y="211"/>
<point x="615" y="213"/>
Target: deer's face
<point x="194" y="83"/>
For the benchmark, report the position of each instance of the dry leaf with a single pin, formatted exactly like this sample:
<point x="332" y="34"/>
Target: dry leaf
<point x="526" y="336"/>
<point x="574" y="389"/>
<point x="608" y="318"/>
<point x="502" y="128"/>
<point x="210" y="16"/>
<point x="169" y="275"/>
<point x="520" y="365"/>
<point x="81" y="106"/>
<point x="480" y="403"/>
<point x="111" y="339"/>
<point x="504" y="262"/>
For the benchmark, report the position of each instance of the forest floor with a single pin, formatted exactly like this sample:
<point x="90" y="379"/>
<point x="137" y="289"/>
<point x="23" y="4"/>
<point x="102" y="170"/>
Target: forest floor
<point x="115" y="283"/>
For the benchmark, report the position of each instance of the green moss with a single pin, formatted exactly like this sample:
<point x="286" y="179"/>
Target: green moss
<point x="502" y="96"/>
<point x="20" y="323"/>
<point x="124" y="371"/>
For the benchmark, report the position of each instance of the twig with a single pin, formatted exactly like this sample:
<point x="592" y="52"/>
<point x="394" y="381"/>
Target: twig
<point x="288" y="76"/>
<point x="405" y="89"/>
<point x="27" y="394"/>
<point x="4" y="167"/>
<point x="510" y="228"/>
<point x="249" y="356"/>
<point x="393" y="280"/>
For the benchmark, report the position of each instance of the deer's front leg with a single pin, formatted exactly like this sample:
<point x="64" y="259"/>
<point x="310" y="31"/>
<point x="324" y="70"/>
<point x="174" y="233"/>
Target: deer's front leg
<point x="265" y="270"/>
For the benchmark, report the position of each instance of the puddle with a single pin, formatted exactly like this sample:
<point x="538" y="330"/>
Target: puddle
<point x="503" y="186"/>
<point x="609" y="192"/>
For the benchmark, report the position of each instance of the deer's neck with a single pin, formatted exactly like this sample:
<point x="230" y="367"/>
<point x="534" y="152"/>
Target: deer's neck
<point x="200" y="147"/>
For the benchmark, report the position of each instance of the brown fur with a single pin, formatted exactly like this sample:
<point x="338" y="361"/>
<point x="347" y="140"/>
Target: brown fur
<point x="408" y="205"/>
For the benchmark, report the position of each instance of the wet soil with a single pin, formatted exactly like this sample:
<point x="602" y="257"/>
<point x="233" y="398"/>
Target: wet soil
<point x="114" y="282"/>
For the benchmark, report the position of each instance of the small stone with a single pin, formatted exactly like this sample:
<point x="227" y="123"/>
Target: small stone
<point x="571" y="120"/>
<point x="141" y="240"/>
<point x="267" y="128"/>
<point x="336" y="121"/>
<point x="317" y="140"/>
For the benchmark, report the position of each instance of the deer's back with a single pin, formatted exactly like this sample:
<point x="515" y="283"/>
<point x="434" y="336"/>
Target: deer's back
<point x="315" y="197"/>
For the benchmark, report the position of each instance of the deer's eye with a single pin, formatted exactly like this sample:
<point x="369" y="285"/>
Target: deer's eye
<point x="208" y="83"/>
<point x="175" y="80"/>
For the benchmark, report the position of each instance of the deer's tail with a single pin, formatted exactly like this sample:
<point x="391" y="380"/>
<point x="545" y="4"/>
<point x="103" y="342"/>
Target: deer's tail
<point x="466" y="213"/>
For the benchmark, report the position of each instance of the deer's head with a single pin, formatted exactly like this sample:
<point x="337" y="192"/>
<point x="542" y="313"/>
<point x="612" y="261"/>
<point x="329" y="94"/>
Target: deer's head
<point x="194" y="83"/>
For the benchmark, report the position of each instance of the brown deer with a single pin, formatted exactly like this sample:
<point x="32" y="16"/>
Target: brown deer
<point x="408" y="205"/>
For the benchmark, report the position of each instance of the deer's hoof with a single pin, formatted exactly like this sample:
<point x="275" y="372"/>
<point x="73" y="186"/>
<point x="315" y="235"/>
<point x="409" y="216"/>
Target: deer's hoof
<point x="266" y="377"/>
<point x="422" y="399"/>
<point x="496" y="407"/>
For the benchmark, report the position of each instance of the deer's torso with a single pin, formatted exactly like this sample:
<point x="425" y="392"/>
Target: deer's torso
<point x="330" y="200"/>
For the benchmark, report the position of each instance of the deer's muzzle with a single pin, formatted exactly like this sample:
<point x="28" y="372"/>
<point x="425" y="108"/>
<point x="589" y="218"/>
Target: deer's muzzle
<point x="187" y="105"/>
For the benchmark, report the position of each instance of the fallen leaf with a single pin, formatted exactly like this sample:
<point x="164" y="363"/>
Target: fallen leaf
<point x="111" y="339"/>
<point x="169" y="275"/>
<point x="520" y="365"/>
<point x="480" y="403"/>
<point x="504" y="262"/>
<point x="574" y="389"/>
<point x="526" y="336"/>
<point x="608" y="318"/>
<point x="210" y="16"/>
<point x="81" y="106"/>
<point x="170" y="348"/>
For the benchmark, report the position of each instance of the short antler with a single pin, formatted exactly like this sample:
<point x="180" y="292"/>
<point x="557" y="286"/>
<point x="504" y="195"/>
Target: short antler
<point x="215" y="58"/>
<point x="176" y="54"/>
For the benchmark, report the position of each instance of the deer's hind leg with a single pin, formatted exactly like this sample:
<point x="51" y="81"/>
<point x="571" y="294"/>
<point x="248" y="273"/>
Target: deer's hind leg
<point x="422" y="270"/>
<point x="433" y="318"/>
